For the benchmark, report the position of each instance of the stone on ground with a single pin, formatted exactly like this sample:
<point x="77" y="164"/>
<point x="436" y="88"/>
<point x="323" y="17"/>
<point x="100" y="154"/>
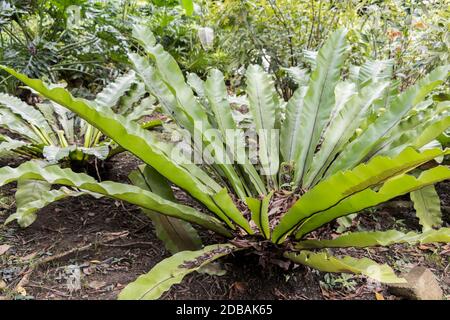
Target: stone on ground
<point x="421" y="285"/>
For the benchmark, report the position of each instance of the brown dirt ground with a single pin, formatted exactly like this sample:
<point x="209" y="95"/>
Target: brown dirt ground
<point x="106" y="268"/>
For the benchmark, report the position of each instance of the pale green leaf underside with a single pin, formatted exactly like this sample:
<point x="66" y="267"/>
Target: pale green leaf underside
<point x="428" y="207"/>
<point x="171" y="271"/>
<point x="328" y="263"/>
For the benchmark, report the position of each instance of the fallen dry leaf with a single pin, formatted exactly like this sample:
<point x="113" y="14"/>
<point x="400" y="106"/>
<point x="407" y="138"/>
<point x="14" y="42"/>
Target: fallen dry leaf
<point x="21" y="291"/>
<point x="4" y="248"/>
<point x="240" y="286"/>
<point x="379" y="296"/>
<point x="2" y="285"/>
<point x="96" y="285"/>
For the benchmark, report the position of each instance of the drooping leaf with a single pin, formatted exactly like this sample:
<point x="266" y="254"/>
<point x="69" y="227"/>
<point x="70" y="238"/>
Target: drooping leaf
<point x="11" y="145"/>
<point x="177" y="235"/>
<point x="428" y="207"/>
<point x="15" y="124"/>
<point x="25" y="111"/>
<point x="31" y="196"/>
<point x="32" y="170"/>
<point x="327" y="263"/>
<point x="171" y="271"/>
<point x="332" y="191"/>
<point x="131" y="137"/>
<point x="394" y="187"/>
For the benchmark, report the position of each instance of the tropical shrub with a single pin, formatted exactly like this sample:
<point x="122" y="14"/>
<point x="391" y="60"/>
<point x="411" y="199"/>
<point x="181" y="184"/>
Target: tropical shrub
<point x="76" y="41"/>
<point x="282" y="34"/>
<point x="343" y="146"/>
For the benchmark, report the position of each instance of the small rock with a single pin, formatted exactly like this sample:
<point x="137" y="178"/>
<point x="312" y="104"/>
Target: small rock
<point x="421" y="285"/>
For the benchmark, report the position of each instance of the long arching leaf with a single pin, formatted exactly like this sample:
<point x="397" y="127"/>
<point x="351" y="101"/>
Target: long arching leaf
<point x="324" y="262"/>
<point x="54" y="175"/>
<point x="342" y="185"/>
<point x="171" y="271"/>
<point x="319" y="100"/>
<point x="394" y="187"/>
<point x="131" y="137"/>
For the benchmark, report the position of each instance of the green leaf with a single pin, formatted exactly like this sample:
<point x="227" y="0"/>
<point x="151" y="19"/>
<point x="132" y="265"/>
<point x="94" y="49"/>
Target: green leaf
<point x="197" y="84"/>
<point x="263" y="105"/>
<point x="15" y="124"/>
<point x="377" y="238"/>
<point x="54" y="154"/>
<point x="31" y="196"/>
<point x="358" y="149"/>
<point x="341" y="129"/>
<point x="260" y="210"/>
<point x="319" y="100"/>
<point x="332" y="191"/>
<point x="428" y="207"/>
<point x="432" y="132"/>
<point x="154" y="84"/>
<point x="264" y="215"/>
<point x="171" y="271"/>
<point x="367" y="198"/>
<point x="129" y="103"/>
<point x="25" y="111"/>
<point x="375" y="71"/>
<point x="173" y="78"/>
<point x="226" y="204"/>
<point x="11" y="145"/>
<point x="132" y="137"/>
<point x="216" y="93"/>
<point x="177" y="235"/>
<point x="290" y="139"/>
<point x="110" y="95"/>
<point x="327" y="263"/>
<point x="188" y="6"/>
<point x="54" y="175"/>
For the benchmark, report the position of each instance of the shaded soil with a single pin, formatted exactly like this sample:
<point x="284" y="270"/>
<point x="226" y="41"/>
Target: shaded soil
<point x="106" y="266"/>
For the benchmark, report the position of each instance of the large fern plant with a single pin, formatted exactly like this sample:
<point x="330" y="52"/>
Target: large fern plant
<point x="54" y="133"/>
<point x="343" y="146"/>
